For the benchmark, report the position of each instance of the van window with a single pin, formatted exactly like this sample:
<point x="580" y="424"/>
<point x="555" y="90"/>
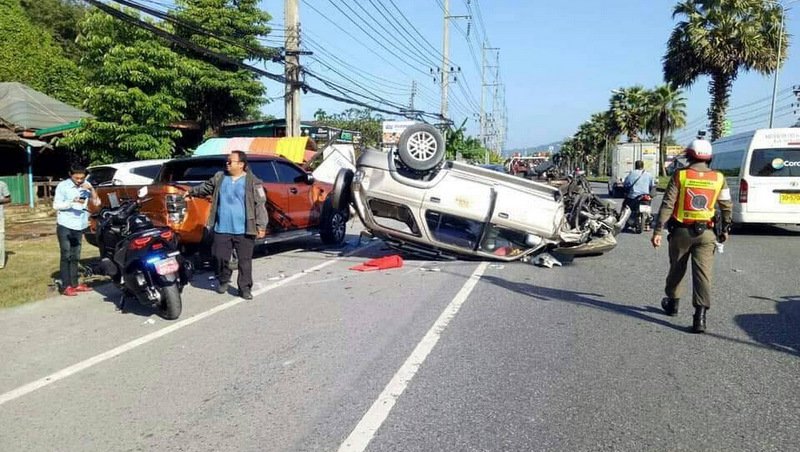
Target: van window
<point x="780" y="162"/>
<point x="728" y="163"/>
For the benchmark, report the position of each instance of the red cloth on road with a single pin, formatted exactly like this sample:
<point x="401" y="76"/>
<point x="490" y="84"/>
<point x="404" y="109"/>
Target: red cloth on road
<point x="381" y="263"/>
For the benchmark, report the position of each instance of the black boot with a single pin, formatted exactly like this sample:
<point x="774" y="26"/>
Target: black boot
<point x="699" y="320"/>
<point x="670" y="306"/>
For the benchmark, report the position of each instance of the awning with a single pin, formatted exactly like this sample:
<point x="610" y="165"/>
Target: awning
<point x="28" y="109"/>
<point x="296" y="149"/>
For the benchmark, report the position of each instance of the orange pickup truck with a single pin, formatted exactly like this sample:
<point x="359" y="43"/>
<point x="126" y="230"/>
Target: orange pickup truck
<point x="298" y="206"/>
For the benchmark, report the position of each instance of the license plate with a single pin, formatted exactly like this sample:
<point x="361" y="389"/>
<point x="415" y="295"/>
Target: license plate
<point x="645" y="209"/>
<point x="166" y="266"/>
<point x="790" y="198"/>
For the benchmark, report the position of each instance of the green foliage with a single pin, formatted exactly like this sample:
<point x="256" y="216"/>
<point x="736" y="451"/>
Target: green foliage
<point x="135" y="89"/>
<point x="28" y="55"/>
<point x="470" y="148"/>
<point x="718" y="38"/>
<point x="219" y="92"/>
<point x="61" y="18"/>
<point x="666" y="113"/>
<point x="629" y="107"/>
<point x="360" y="120"/>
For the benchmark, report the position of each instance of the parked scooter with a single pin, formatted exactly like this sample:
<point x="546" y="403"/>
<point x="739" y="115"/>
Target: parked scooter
<point x="143" y="260"/>
<point x="641" y="213"/>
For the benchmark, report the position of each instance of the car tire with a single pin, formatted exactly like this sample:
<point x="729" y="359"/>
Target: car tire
<point x="333" y="225"/>
<point x="341" y="194"/>
<point x="421" y="147"/>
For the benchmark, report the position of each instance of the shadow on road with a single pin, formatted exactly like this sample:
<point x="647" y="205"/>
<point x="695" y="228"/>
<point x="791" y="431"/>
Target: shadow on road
<point x="776" y="332"/>
<point x="781" y="330"/>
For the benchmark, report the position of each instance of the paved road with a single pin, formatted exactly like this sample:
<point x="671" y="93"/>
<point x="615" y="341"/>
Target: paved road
<point x="503" y="357"/>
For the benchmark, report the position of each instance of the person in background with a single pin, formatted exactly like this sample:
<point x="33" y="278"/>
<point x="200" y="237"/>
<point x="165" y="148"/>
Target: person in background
<point x="5" y="198"/>
<point x="687" y="211"/>
<point x="71" y="200"/>
<point x="238" y="216"/>
<point x="637" y="183"/>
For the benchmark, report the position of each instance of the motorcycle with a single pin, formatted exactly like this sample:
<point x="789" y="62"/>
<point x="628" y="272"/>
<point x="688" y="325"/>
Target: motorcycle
<point x="641" y="213"/>
<point x="143" y="260"/>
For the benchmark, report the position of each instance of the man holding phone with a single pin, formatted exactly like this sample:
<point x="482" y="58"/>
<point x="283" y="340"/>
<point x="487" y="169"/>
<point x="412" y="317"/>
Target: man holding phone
<point x="71" y="201"/>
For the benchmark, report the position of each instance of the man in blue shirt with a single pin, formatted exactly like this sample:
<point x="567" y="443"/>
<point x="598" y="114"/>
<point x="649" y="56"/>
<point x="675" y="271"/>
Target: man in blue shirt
<point x="238" y="216"/>
<point x="638" y="182"/>
<point x="71" y="200"/>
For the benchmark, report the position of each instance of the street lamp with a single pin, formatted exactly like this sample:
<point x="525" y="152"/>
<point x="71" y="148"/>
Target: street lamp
<point x="778" y="56"/>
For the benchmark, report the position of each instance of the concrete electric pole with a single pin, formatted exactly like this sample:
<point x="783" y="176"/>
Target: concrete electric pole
<point x="292" y="67"/>
<point x="445" y="75"/>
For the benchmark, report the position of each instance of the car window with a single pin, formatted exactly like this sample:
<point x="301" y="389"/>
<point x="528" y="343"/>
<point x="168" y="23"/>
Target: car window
<point x="287" y="173"/>
<point x="265" y="171"/>
<point x="775" y="163"/>
<point x="101" y="175"/>
<point x="191" y="171"/>
<point x="150" y="171"/>
<point x="454" y="230"/>
<point x="394" y="216"/>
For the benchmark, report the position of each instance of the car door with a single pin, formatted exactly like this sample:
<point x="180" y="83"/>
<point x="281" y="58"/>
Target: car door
<point x="278" y="210"/>
<point x="301" y="203"/>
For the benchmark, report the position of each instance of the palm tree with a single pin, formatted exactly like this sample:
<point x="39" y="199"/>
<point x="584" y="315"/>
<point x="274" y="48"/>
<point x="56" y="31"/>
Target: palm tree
<point x="629" y="110"/>
<point x="667" y="113"/>
<point x="718" y="38"/>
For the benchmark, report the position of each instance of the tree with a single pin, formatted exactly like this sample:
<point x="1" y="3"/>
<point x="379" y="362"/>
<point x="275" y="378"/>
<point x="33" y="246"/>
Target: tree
<point x="61" y="18"/>
<point x="359" y="120"/>
<point x="459" y="143"/>
<point x="667" y="113"/>
<point x="719" y="38"/>
<point x="222" y="92"/>
<point x="629" y="110"/>
<point x="28" y="55"/>
<point x="135" y="89"/>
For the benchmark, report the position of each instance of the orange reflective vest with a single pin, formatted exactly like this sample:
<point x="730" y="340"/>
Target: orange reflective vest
<point x="697" y="194"/>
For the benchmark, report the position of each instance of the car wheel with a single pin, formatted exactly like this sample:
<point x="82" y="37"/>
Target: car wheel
<point x="333" y="225"/>
<point x="421" y="147"/>
<point x="340" y="195"/>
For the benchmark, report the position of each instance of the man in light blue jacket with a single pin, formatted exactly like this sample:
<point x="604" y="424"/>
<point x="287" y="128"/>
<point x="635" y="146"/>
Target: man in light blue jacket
<point x="71" y="200"/>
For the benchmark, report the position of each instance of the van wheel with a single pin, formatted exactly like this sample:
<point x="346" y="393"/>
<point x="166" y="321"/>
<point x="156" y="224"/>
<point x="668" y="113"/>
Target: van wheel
<point x="421" y="147"/>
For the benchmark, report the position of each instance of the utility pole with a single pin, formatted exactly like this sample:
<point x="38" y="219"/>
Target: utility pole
<point x="413" y="94"/>
<point x="484" y="85"/>
<point x="292" y="67"/>
<point x="445" y="75"/>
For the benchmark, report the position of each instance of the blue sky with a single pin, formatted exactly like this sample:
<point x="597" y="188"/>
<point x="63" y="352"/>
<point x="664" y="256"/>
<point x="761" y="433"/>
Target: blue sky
<point x="558" y="60"/>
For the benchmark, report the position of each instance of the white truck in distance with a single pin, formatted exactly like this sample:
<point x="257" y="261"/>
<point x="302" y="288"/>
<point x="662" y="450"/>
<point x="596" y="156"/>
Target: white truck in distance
<point x="622" y="161"/>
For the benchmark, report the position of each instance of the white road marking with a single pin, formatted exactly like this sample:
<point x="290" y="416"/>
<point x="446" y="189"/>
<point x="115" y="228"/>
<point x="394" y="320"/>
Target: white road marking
<point x="83" y="365"/>
<point x="363" y="433"/>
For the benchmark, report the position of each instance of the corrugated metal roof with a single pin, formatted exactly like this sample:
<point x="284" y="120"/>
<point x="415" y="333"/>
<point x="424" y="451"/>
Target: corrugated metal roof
<point x="29" y="109"/>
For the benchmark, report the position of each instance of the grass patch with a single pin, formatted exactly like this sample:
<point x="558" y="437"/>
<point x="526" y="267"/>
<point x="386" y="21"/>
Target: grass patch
<point x="603" y="179"/>
<point x="30" y="268"/>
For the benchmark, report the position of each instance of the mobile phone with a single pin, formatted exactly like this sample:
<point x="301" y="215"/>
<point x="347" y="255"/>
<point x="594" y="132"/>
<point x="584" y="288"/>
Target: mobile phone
<point x="84" y="194"/>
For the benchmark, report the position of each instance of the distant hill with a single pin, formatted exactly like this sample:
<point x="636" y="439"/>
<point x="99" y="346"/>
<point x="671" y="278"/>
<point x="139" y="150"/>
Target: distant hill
<point x="553" y="147"/>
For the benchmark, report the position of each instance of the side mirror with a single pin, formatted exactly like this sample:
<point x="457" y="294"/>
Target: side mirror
<point x="142" y="193"/>
<point x="309" y="179"/>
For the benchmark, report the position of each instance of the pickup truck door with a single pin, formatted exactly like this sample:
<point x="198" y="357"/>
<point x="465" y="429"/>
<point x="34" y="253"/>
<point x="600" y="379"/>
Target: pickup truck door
<point x="301" y="205"/>
<point x="278" y="209"/>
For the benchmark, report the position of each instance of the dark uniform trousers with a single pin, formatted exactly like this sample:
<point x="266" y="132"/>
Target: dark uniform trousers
<point x="222" y="248"/>
<point x="683" y="244"/>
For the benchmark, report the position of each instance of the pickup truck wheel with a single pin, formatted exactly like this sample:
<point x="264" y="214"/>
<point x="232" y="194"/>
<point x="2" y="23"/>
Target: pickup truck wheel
<point x="421" y="147"/>
<point x="341" y="195"/>
<point x="333" y="225"/>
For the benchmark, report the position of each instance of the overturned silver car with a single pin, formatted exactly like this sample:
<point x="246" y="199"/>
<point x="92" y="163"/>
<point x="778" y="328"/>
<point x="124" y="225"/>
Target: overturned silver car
<point x="416" y="201"/>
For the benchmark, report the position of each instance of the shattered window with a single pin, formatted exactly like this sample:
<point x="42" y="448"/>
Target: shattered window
<point x="503" y="242"/>
<point x="393" y="216"/>
<point x="454" y="230"/>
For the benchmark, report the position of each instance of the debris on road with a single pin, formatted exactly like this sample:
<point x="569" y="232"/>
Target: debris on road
<point x="497" y="266"/>
<point x="381" y="263"/>
<point x="149" y="322"/>
<point x="430" y="269"/>
<point x="546" y="260"/>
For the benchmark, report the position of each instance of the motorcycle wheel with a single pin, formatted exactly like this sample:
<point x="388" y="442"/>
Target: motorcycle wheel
<point x="170" y="306"/>
<point x="639" y="224"/>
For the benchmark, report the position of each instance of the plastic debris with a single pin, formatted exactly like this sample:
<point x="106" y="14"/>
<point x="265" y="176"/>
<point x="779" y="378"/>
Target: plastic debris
<point x="546" y="260"/>
<point x="430" y="269"/>
<point x="497" y="266"/>
<point x="149" y="322"/>
<point x="381" y="263"/>
<point x="277" y="278"/>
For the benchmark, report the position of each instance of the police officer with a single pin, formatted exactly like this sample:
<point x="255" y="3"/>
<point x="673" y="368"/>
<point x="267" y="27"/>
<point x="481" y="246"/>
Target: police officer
<point x="687" y="212"/>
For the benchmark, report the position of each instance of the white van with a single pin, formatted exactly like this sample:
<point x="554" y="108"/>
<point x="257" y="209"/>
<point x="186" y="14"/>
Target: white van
<point x="762" y="168"/>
